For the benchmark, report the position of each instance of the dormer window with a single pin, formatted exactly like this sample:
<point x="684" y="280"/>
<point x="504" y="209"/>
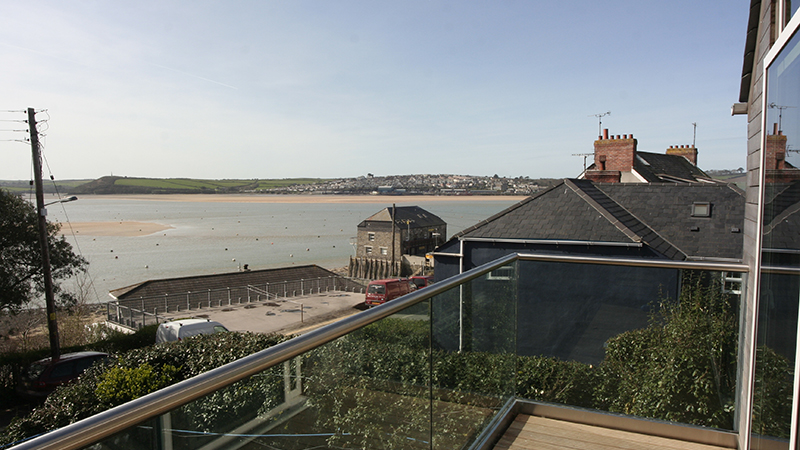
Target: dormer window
<point x="701" y="209"/>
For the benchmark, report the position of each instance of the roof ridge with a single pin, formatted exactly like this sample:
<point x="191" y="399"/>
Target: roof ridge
<point x="615" y="220"/>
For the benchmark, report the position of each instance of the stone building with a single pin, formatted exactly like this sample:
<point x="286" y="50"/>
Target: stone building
<point x="395" y="232"/>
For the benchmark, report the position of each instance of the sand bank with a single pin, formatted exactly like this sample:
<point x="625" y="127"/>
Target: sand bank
<point x="343" y="199"/>
<point x="113" y="228"/>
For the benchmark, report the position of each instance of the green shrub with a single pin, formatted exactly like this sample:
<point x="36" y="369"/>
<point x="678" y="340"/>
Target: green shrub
<point x="682" y="367"/>
<point x="549" y="379"/>
<point x="148" y="368"/>
<point x="120" y="384"/>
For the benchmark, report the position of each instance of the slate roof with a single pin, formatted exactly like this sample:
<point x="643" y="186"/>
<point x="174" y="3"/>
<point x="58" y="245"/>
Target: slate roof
<point x="656" y="215"/>
<point x="658" y="167"/>
<point x="419" y="217"/>
<point x="220" y="281"/>
<point x="661" y="168"/>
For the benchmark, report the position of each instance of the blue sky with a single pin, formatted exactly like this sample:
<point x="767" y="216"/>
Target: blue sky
<point x="266" y="89"/>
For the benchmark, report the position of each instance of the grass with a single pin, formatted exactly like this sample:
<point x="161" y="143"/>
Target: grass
<point x="186" y="183"/>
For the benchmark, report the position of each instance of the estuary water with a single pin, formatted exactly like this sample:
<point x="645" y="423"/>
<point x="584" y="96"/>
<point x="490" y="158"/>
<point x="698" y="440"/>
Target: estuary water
<point x="213" y="234"/>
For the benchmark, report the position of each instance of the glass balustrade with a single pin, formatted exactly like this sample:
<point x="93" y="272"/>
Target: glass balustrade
<point x="433" y="369"/>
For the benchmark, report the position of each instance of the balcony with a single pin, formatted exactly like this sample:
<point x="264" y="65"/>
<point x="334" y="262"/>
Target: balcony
<point x="525" y="352"/>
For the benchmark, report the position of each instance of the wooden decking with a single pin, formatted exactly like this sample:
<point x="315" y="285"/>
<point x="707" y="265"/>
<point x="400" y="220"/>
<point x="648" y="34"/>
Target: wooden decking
<point x="539" y="433"/>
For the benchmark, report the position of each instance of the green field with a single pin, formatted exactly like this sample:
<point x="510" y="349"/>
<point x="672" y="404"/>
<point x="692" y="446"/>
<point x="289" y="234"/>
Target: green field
<point x="212" y="185"/>
<point x="22" y="186"/>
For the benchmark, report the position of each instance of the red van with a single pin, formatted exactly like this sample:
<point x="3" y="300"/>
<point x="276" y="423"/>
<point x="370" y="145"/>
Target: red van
<point x="381" y="291"/>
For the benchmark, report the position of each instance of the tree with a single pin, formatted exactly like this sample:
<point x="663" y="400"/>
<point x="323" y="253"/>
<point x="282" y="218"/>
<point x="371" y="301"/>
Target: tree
<point x="21" y="279"/>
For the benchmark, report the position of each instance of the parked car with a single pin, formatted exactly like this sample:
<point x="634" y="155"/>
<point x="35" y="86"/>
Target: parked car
<point x="422" y="281"/>
<point x="181" y="329"/>
<point x="381" y="291"/>
<point x="44" y="376"/>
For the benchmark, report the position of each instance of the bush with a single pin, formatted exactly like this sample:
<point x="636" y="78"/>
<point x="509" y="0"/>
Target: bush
<point x="682" y="367"/>
<point x="121" y="384"/>
<point x="147" y="369"/>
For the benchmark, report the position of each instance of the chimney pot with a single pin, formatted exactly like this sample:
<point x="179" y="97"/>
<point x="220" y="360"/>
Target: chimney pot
<point x="605" y="133"/>
<point x="774" y="128"/>
<point x="617" y="136"/>
<point x="624" y="136"/>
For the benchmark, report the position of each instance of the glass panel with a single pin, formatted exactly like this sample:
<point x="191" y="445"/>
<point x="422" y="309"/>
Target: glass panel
<point x="779" y="292"/>
<point x="368" y="389"/>
<point x="647" y="342"/>
<point x="474" y="346"/>
<point x="791" y="7"/>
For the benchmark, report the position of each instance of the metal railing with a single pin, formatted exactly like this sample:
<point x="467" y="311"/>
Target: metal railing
<point x="105" y="424"/>
<point x="131" y="317"/>
<point x="140" y="311"/>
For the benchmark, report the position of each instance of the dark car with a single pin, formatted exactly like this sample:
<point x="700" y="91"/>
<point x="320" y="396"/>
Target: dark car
<point x="422" y="281"/>
<point x="42" y="377"/>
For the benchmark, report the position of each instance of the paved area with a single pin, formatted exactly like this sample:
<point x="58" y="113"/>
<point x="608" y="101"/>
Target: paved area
<point x="281" y="315"/>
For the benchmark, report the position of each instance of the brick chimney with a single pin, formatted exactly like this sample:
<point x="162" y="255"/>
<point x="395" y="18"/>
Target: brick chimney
<point x="612" y="156"/>
<point x="775" y="158"/>
<point x="687" y="151"/>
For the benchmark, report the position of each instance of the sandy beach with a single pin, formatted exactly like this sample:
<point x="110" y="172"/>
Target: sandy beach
<point x="334" y="199"/>
<point x="134" y="228"/>
<point x="113" y="228"/>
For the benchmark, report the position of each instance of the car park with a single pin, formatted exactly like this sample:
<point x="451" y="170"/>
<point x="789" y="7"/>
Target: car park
<point x="42" y="377"/>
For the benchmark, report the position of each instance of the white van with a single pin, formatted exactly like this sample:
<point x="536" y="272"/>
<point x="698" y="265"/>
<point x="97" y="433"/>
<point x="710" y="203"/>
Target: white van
<point x="181" y="329"/>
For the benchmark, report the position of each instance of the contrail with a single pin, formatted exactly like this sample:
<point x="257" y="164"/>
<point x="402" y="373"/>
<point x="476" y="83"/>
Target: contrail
<point x="194" y="76"/>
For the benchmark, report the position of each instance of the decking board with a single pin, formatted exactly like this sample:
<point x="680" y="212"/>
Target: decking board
<point x="540" y="433"/>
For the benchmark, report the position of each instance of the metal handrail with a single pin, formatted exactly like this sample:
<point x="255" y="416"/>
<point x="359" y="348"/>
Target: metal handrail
<point x="107" y="423"/>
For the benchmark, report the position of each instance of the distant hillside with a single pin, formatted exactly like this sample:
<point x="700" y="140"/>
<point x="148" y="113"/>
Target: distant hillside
<point x="126" y="185"/>
<point x="419" y="184"/>
<point x="737" y="177"/>
<point x="49" y="186"/>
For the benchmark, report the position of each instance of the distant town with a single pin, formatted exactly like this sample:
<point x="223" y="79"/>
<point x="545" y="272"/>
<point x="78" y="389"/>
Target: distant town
<point x="369" y="184"/>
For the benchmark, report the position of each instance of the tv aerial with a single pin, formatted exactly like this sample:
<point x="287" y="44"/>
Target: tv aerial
<point x="585" y="155"/>
<point x="600" y="121"/>
<point x="780" y="114"/>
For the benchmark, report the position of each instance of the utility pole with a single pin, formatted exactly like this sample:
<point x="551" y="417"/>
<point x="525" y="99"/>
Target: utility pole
<point x="41" y="213"/>
<point x="394" y="208"/>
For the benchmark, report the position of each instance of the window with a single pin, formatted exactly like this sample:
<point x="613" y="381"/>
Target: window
<point x="368" y="249"/>
<point x="701" y="209"/>
<point x="384" y="251"/>
<point x="371" y="236"/>
<point x="503" y="273"/>
<point x="779" y="282"/>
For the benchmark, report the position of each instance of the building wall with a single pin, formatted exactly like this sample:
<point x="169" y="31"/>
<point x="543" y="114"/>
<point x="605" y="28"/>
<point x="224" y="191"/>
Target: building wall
<point x="748" y="313"/>
<point x="407" y="241"/>
<point x="377" y="236"/>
